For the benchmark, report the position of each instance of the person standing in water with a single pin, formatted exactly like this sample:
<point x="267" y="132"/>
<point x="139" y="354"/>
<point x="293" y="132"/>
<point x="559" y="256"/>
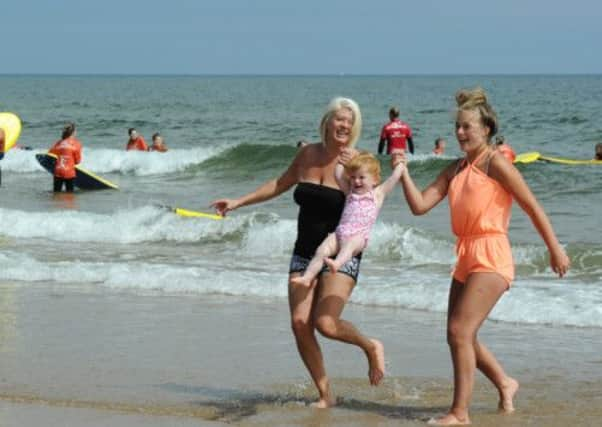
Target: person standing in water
<point x="598" y="152"/>
<point x="136" y="142"/>
<point x="158" y="143"/>
<point x="439" y="146"/>
<point x="321" y="201"/>
<point x="396" y="134"/>
<point x="480" y="189"/>
<point x="68" y="151"/>
<point x="503" y="147"/>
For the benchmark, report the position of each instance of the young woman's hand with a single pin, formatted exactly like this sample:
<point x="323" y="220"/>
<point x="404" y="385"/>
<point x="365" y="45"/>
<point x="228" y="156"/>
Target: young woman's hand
<point x="397" y="157"/>
<point x="559" y="261"/>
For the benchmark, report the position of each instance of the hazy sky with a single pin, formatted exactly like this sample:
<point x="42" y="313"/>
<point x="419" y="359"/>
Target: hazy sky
<point x="301" y="37"/>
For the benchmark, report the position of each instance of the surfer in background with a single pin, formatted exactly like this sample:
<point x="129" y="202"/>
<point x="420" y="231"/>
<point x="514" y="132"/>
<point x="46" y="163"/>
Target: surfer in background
<point x="396" y="134"/>
<point x="68" y="151"/>
<point x="480" y="189"/>
<point x="158" y="143"/>
<point x="302" y="143"/>
<point x="321" y="203"/>
<point x="503" y="147"/>
<point x="598" y="155"/>
<point x="439" y="146"/>
<point x="136" y="141"/>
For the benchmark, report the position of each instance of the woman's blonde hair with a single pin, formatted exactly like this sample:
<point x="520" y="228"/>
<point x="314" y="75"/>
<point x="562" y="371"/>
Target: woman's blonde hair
<point x="335" y="105"/>
<point x="366" y="160"/>
<point x="476" y="100"/>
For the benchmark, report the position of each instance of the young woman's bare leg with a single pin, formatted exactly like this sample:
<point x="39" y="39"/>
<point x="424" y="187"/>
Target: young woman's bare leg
<point x="470" y="305"/>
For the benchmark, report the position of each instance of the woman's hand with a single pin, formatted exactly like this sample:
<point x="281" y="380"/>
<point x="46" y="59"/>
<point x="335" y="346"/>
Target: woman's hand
<point x="223" y="206"/>
<point x="347" y="154"/>
<point x="559" y="261"/>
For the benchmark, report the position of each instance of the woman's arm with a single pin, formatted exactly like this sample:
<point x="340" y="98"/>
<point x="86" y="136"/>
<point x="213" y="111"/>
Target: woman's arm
<point x="511" y="179"/>
<point x="266" y="191"/>
<point x="420" y="202"/>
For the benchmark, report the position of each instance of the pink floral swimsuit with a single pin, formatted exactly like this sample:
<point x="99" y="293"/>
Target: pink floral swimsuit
<point x="358" y="217"/>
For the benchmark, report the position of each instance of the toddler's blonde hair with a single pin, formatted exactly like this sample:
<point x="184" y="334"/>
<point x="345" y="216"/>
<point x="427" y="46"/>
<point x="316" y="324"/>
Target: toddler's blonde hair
<point x="366" y="160"/>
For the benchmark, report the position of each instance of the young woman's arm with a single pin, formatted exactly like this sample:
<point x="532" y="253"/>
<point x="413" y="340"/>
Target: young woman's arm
<point x="511" y="179"/>
<point x="420" y="202"/>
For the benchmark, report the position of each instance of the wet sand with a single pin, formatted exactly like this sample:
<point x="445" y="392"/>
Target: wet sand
<point x="73" y="355"/>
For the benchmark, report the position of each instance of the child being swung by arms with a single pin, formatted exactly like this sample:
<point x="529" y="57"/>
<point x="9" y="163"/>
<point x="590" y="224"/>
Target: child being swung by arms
<point x="359" y="179"/>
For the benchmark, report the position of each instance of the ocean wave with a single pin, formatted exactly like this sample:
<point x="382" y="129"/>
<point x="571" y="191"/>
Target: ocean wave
<point x="105" y="161"/>
<point x="530" y="301"/>
<point x="264" y="235"/>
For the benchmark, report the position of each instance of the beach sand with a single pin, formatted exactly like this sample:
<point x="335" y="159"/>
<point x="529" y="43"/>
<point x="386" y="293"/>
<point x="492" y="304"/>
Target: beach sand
<point x="75" y="355"/>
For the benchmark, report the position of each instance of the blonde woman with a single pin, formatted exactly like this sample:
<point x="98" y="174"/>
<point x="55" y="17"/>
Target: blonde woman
<point x="480" y="188"/>
<point x="321" y="202"/>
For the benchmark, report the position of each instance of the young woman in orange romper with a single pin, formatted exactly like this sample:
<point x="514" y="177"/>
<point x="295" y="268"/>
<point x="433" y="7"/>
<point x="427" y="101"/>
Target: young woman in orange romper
<point x="480" y="187"/>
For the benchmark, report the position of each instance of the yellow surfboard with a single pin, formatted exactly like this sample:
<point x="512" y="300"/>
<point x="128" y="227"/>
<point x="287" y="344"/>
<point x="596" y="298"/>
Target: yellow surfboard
<point x="570" y="161"/>
<point x="11" y="124"/>
<point x="529" y="157"/>
<point x="189" y="213"/>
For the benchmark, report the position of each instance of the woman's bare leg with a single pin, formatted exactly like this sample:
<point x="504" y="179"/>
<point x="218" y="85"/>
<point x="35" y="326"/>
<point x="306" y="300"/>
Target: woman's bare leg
<point x="301" y="300"/>
<point x="469" y="307"/>
<point x="333" y="293"/>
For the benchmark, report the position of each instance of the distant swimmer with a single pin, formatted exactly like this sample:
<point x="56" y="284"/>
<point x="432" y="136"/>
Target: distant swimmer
<point x="69" y="153"/>
<point x="598" y="155"/>
<point x="396" y="134"/>
<point x="158" y="143"/>
<point x="302" y="143"/>
<point x="439" y="146"/>
<point x="503" y="147"/>
<point x="136" y="141"/>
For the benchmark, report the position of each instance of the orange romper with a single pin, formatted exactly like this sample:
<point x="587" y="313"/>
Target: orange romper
<point x="480" y="213"/>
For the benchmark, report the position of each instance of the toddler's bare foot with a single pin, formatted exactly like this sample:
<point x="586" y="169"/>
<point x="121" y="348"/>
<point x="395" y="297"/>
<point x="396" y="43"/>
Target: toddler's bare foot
<point x="376" y="361"/>
<point x="507" y="393"/>
<point x="332" y="265"/>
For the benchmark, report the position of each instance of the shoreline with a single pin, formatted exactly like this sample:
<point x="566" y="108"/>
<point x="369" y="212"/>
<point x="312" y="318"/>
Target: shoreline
<point x="82" y="353"/>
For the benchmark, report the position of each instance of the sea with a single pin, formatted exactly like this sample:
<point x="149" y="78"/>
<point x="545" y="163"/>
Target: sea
<point x="228" y="134"/>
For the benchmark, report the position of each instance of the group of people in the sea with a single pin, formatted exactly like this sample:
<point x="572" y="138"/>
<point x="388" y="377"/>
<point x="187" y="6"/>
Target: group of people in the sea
<point x="339" y="192"/>
<point x="68" y="152"/>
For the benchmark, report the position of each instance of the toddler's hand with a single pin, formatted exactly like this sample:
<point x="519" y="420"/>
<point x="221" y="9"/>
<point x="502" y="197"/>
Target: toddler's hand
<point x="397" y="157"/>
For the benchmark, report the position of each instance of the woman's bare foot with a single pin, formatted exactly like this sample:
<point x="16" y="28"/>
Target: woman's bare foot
<point x="449" y="420"/>
<point x="301" y="280"/>
<point x="376" y="361"/>
<point x="325" y="402"/>
<point x="332" y="265"/>
<point x="507" y="393"/>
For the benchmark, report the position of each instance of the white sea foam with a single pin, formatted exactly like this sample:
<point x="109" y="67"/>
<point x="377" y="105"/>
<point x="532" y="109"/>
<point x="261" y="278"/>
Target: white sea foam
<point x="118" y="161"/>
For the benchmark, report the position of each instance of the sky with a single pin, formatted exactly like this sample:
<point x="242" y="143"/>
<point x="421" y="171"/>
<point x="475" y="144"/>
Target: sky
<point x="301" y="37"/>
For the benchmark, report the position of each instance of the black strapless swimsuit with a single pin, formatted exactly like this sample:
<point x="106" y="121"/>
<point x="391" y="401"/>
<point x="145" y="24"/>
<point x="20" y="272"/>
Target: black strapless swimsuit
<point x="320" y="210"/>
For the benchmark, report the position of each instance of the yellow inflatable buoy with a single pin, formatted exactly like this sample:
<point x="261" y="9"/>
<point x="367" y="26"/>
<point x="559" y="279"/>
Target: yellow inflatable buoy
<point x="11" y="124"/>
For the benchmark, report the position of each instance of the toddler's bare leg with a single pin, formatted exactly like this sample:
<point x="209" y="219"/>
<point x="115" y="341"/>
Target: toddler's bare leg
<point x="350" y="247"/>
<point x="327" y="248"/>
